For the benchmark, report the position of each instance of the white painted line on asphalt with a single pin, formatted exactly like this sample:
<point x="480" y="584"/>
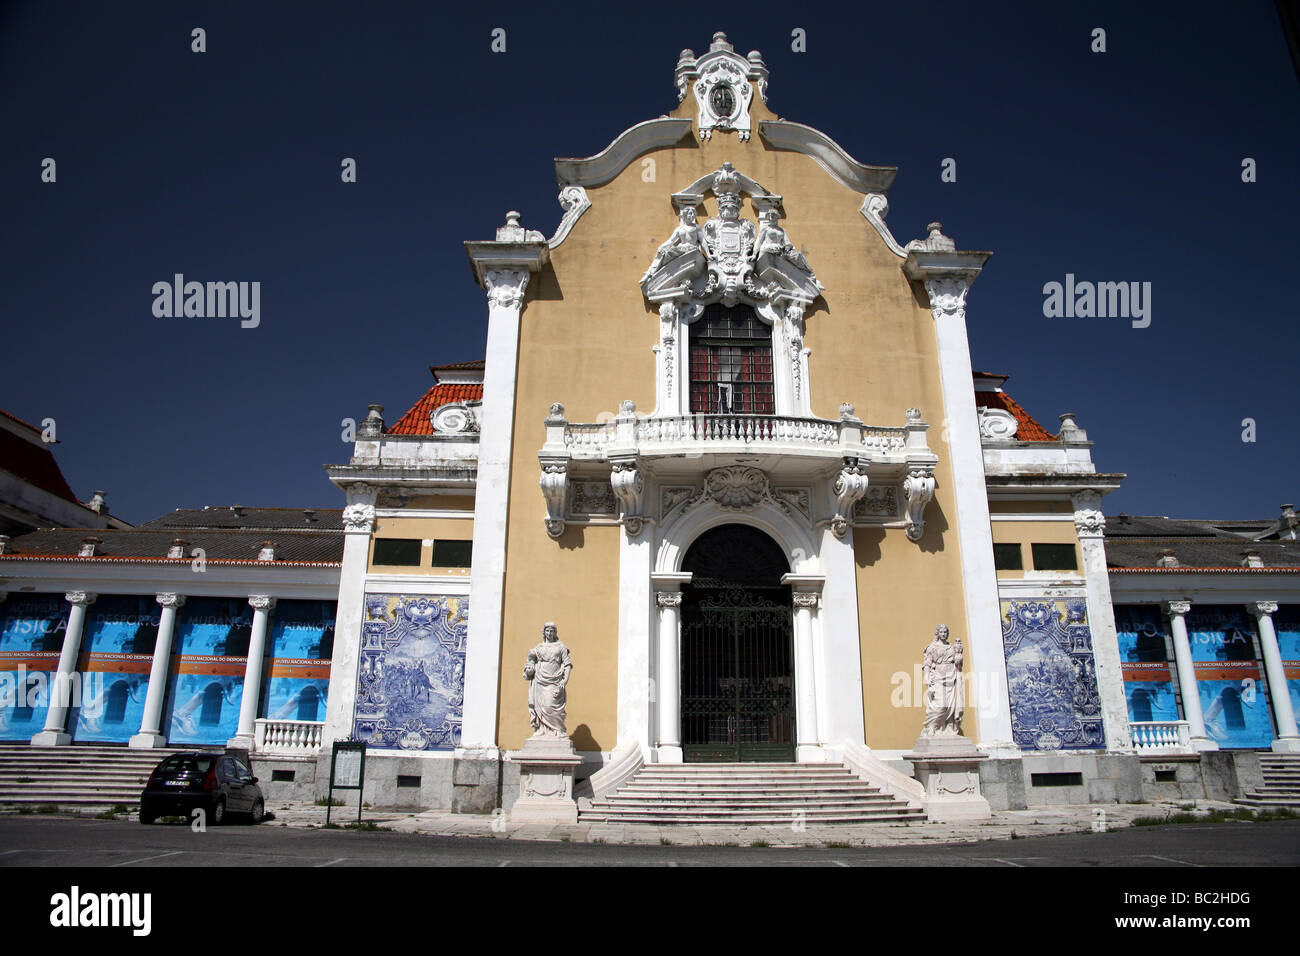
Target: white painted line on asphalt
<point x="672" y="863"/>
<point x="9" y="852"/>
<point x="503" y="863"/>
<point x="840" y="863"/>
<point x="1179" y="862"/>
<point x="331" y="862"/>
<point x="145" y="859"/>
<point x="1007" y="862"/>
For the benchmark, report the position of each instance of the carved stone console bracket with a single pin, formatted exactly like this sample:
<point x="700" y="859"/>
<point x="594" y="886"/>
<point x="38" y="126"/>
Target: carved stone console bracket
<point x="918" y="489"/>
<point x="850" y="486"/>
<point x="628" y="484"/>
<point x="554" y="484"/>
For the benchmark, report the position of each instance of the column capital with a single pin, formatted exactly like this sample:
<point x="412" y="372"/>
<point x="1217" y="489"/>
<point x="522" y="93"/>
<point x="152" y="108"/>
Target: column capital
<point x="506" y="287"/>
<point x="1177" y="608"/>
<point x="1089" y="523"/>
<point x="1260" y="608"/>
<point x="80" y="598"/>
<point x="170" y="599"/>
<point x="805" y="599"/>
<point x="668" y="598"/>
<point x="261" y="602"/>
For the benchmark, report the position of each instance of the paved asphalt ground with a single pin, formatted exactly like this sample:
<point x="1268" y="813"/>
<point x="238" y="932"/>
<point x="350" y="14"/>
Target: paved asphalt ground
<point x="29" y="841"/>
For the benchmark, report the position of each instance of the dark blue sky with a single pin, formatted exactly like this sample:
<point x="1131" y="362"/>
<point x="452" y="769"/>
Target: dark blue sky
<point x="1123" y="166"/>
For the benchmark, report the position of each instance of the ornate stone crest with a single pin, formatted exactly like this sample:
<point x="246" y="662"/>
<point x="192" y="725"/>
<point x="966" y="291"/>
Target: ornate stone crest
<point x="720" y="81"/>
<point x="729" y="258"/>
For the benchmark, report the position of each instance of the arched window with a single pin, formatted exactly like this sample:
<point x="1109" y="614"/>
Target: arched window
<point x="731" y="363"/>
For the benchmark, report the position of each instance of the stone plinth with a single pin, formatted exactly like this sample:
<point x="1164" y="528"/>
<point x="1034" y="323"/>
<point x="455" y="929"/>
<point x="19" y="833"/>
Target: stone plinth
<point x="948" y="768"/>
<point x="546" y="766"/>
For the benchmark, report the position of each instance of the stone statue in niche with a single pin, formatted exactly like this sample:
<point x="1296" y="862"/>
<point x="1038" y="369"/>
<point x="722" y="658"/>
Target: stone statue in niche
<point x="547" y="670"/>
<point x="685" y="238"/>
<point x="944" y="702"/>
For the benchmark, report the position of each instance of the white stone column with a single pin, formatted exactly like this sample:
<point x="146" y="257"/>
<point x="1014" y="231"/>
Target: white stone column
<point x="245" y="737"/>
<point x="1288" y="740"/>
<point x="60" y="692"/>
<point x="668" y="673"/>
<point x="340" y="707"/>
<point x="1090" y="525"/>
<point x="1177" y="611"/>
<point x="491" y="505"/>
<point x="150" y="734"/>
<point x="806" y="596"/>
<point x="947" y="275"/>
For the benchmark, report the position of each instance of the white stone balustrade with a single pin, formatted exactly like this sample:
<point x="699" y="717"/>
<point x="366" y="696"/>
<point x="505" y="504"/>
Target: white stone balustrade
<point x="1161" y="736"/>
<point x="785" y="433"/>
<point x="290" y="738"/>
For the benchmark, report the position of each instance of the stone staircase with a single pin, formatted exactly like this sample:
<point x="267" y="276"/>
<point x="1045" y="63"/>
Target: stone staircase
<point x="75" y="777"/>
<point x="748" y="794"/>
<point x="1281" y="782"/>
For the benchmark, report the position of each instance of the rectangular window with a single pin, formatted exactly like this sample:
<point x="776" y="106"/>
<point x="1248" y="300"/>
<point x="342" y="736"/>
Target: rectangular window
<point x="731" y="363"/>
<point x="397" y="552"/>
<point x="1055" y="557"/>
<point x="1006" y="557"/>
<point x="452" y="554"/>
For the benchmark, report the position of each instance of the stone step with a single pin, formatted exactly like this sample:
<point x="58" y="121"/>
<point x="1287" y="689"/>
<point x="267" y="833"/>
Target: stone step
<point x="632" y="790"/>
<point x="1252" y="800"/>
<point x="740" y="806"/>
<point x="752" y="819"/>
<point x="9" y="780"/>
<point x="106" y="795"/>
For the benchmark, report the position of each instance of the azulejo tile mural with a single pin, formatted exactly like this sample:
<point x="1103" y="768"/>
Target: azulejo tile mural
<point x="1051" y="676"/>
<point x="411" y="685"/>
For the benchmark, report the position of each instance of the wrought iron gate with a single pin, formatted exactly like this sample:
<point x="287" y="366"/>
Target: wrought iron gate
<point x="737" y="674"/>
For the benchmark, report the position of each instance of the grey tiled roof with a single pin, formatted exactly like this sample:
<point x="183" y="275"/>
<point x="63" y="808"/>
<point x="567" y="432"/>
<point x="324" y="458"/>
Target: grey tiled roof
<point x="1136" y="541"/>
<point x="146" y="543"/>
<point x="238" y="517"/>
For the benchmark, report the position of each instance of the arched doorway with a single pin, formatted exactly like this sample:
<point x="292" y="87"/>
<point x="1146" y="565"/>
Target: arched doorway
<point x="737" y="654"/>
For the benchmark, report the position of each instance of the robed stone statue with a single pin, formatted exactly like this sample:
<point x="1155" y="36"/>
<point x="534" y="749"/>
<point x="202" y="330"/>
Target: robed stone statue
<point x="547" y="670"/>
<point x="944" y="701"/>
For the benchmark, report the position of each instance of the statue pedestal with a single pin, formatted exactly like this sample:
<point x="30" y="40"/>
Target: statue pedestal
<point x="948" y="768"/>
<point x="546" y="766"/>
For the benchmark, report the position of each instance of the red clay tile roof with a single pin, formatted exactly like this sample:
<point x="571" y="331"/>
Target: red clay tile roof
<point x="33" y="463"/>
<point x="1028" y="428"/>
<point x="417" y="421"/>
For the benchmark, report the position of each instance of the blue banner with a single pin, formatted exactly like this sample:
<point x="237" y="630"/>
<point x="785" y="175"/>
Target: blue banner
<point x="113" y="667"/>
<point x="1229" y="677"/>
<point x="301" y="644"/>
<point x="32" y="627"/>
<point x="207" y="674"/>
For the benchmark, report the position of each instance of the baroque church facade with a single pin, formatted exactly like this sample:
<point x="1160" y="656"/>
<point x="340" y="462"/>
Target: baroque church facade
<point x="745" y="532"/>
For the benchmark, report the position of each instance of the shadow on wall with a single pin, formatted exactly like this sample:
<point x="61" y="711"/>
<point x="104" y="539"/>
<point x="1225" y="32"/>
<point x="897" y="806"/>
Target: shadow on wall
<point x="867" y="541"/>
<point x="583" y="740"/>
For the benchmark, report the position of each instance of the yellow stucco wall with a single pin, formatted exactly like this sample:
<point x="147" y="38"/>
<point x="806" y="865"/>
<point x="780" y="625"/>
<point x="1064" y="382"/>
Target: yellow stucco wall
<point x="427" y="530"/>
<point x="1025" y="533"/>
<point x="586" y="338"/>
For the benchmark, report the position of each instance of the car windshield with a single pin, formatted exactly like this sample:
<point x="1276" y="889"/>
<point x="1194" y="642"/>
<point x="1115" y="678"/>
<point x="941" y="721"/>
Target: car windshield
<point x="186" y="763"/>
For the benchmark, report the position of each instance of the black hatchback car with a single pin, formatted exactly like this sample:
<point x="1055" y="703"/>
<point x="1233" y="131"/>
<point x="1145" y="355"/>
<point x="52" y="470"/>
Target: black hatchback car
<point x="217" y="784"/>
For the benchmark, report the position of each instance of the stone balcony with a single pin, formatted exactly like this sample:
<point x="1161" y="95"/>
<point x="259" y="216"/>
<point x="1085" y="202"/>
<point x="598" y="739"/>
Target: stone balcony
<point x="717" y="439"/>
<point x="845" y="453"/>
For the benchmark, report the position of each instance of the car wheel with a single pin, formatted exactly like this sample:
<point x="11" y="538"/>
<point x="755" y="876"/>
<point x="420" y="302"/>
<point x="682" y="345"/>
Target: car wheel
<point x="219" y="813"/>
<point x="146" y="817"/>
<point x="258" y="811"/>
